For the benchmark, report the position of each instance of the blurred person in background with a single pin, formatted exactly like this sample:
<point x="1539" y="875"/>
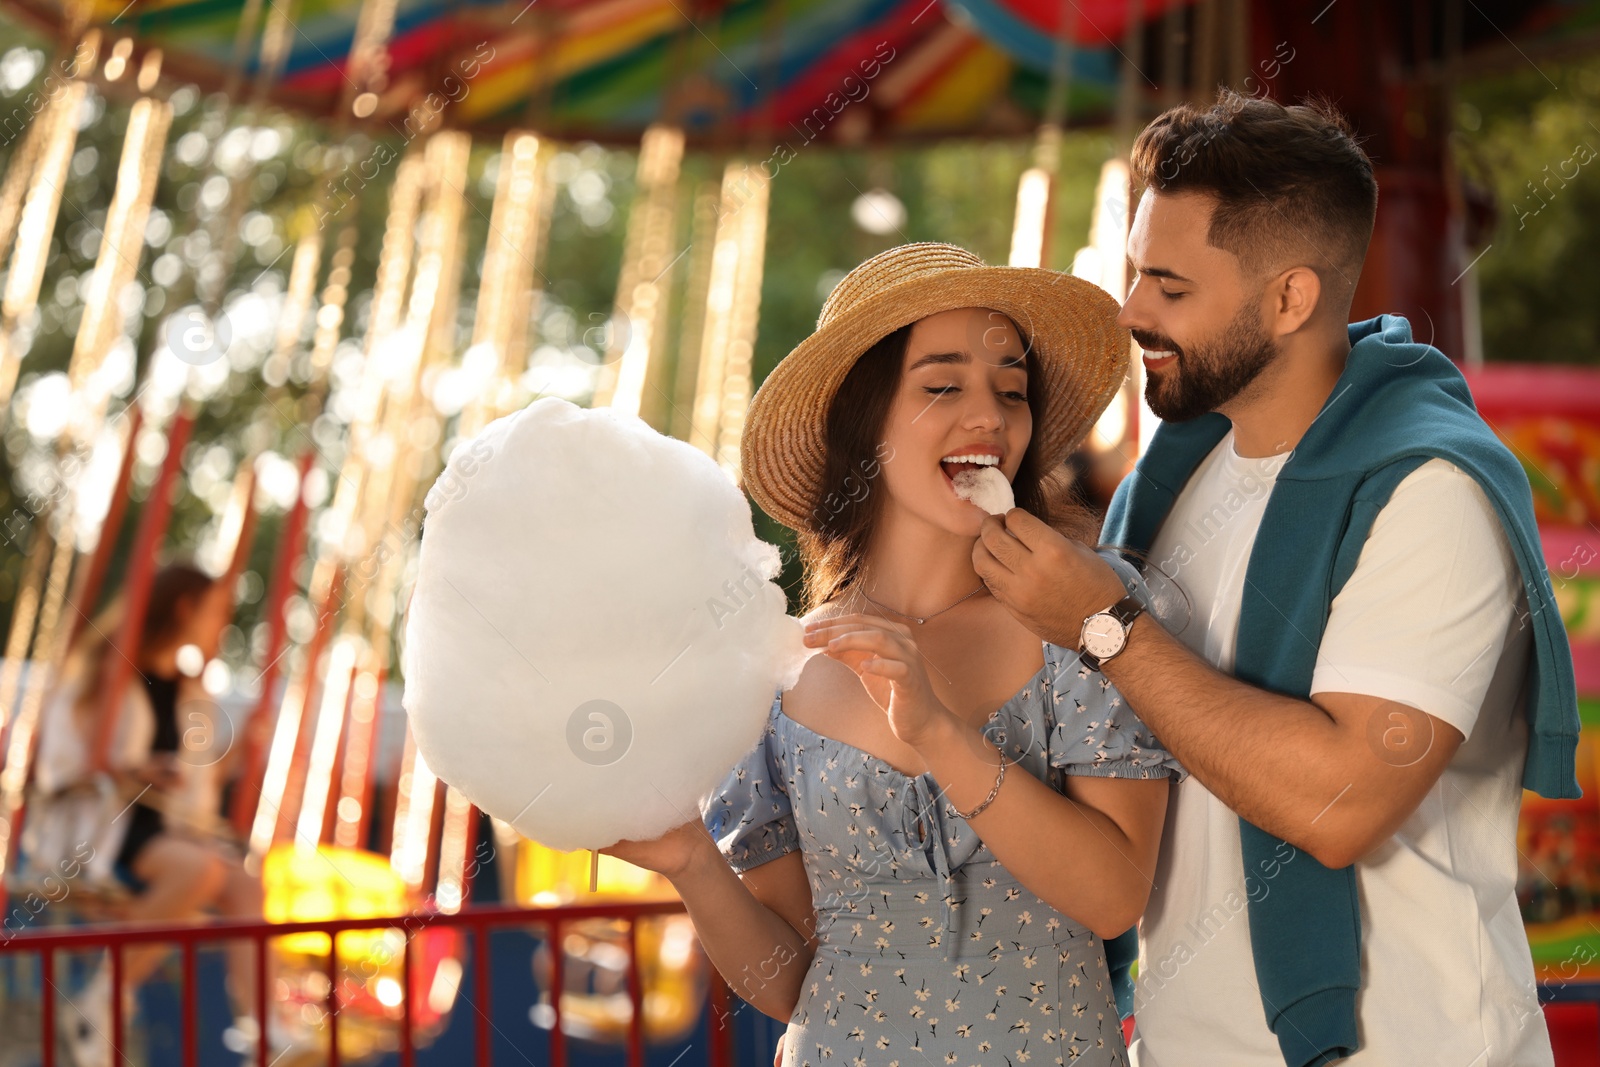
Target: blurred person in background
<point x="153" y="816"/>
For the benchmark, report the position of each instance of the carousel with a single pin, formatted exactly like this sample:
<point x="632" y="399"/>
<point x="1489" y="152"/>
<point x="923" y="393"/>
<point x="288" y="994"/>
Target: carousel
<point x="443" y="134"/>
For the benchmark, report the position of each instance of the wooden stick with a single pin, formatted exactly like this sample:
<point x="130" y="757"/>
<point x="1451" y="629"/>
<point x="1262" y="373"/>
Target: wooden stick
<point x="594" y="871"/>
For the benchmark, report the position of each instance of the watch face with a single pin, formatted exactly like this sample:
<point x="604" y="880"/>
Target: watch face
<point x="1103" y="635"/>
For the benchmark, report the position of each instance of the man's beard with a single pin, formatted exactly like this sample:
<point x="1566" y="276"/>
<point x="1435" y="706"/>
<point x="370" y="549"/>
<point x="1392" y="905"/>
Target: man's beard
<point x="1211" y="373"/>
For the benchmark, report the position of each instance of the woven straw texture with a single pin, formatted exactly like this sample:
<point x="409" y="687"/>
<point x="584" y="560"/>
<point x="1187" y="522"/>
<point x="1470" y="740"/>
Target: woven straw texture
<point x="1071" y="324"/>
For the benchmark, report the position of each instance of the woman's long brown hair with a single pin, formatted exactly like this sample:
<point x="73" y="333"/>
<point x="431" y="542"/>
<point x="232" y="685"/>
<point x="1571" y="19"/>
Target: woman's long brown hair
<point x="176" y="588"/>
<point x="833" y="544"/>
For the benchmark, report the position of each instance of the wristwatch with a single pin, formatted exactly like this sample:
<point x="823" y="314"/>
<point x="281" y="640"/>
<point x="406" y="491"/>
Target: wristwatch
<point x="1105" y="633"/>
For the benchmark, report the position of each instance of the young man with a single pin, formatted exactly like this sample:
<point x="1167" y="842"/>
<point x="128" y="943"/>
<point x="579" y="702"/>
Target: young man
<point x="1373" y="665"/>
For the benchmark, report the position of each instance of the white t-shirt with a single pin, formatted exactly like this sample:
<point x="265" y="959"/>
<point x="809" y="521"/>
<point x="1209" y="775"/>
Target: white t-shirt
<point x="1429" y="618"/>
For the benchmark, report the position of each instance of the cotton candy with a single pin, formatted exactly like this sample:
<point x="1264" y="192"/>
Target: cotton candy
<point x="593" y="640"/>
<point x="985" y="487"/>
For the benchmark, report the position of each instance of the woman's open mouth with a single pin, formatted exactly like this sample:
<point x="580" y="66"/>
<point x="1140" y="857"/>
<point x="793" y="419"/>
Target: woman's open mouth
<point x="951" y="464"/>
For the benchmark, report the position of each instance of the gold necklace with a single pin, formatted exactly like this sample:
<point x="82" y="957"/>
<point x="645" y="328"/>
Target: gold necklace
<point x="925" y="618"/>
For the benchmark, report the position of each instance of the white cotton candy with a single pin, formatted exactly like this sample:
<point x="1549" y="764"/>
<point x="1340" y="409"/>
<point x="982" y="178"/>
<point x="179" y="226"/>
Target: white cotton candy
<point x="593" y="640"/>
<point x="985" y="487"/>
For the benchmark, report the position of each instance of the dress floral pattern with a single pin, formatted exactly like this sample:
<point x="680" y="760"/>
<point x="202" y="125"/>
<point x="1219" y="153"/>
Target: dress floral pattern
<point x="929" y="951"/>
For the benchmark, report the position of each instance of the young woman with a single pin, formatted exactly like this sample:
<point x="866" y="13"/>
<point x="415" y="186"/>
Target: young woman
<point x="168" y="754"/>
<point x="900" y="898"/>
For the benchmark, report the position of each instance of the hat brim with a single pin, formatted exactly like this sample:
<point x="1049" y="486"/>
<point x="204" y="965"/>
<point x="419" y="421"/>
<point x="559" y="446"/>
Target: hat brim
<point x="1082" y="353"/>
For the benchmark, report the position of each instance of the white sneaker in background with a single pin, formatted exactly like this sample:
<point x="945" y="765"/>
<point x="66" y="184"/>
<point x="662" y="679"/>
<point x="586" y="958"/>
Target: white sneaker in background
<point x="285" y="1048"/>
<point x="241" y="1036"/>
<point x="84" y="1022"/>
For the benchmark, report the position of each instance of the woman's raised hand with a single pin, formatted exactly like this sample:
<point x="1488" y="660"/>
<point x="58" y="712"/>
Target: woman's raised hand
<point x="671" y="854"/>
<point x="886" y="659"/>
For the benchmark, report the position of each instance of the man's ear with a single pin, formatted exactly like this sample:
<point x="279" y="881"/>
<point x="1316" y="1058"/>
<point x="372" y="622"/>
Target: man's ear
<point x="1292" y="298"/>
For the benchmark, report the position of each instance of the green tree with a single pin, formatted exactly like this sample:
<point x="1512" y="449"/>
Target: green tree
<point x="1532" y="138"/>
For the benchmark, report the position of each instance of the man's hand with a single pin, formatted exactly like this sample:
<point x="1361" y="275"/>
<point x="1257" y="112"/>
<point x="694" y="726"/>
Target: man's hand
<point x="1335" y="774"/>
<point x="777" y="1054"/>
<point x="1049" y="583"/>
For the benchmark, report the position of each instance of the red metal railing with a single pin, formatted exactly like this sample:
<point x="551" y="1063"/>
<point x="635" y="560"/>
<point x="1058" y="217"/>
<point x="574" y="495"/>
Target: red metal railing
<point x="479" y="921"/>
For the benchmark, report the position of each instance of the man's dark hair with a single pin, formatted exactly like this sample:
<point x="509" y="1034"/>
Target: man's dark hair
<point x="1292" y="186"/>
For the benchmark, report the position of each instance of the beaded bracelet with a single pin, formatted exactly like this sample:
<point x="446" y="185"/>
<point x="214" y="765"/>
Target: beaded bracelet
<point x="986" y="800"/>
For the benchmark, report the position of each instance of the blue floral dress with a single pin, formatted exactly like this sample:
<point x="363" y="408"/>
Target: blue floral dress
<point x="929" y="951"/>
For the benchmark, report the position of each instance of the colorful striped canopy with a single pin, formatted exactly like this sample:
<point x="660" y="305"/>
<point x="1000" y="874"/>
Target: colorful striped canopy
<point x="839" y="70"/>
<point x="842" y="71"/>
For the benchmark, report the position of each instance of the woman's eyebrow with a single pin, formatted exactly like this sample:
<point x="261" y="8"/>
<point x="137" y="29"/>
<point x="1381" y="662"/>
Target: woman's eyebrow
<point x="936" y="358"/>
<point x="933" y="358"/>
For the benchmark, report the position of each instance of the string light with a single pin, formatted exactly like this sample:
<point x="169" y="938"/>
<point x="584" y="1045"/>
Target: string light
<point x="641" y="288"/>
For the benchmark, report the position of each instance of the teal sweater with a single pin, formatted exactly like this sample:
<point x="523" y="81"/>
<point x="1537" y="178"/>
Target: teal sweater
<point x="1396" y="405"/>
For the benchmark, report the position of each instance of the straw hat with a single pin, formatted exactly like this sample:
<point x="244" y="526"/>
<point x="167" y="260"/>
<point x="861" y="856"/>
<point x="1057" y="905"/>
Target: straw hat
<point x="1071" y="323"/>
